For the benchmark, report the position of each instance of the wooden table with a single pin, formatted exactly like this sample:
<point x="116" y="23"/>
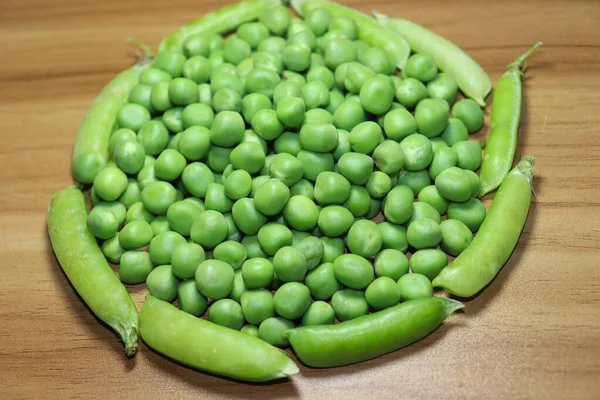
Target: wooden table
<point x="534" y="333"/>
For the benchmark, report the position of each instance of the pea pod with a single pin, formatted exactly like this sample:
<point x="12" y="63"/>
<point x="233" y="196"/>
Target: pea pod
<point x="372" y="335"/>
<point x="470" y="77"/>
<point x="201" y="344"/>
<point x="90" y="150"/>
<point x="86" y="268"/>
<point x="219" y="21"/>
<point x="369" y="30"/>
<point x="497" y="237"/>
<point x="506" y="115"/>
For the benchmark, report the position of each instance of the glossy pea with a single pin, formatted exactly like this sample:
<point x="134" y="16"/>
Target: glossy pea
<point x="274" y="236"/>
<point x="248" y="156"/>
<point x="135" y="266"/>
<point x="393" y="236"/>
<point x="418" y="152"/>
<point x="469" y="154"/>
<point x="319" y="313"/>
<point x="414" y="286"/>
<point x="443" y="159"/>
<point x="349" y="304"/>
<point x="415" y="180"/>
<point x="454" y="184"/>
<point x="365" y="137"/>
<point x="471" y="212"/>
<point x="353" y="271"/>
<point x="424" y="233"/>
<point x="314" y="163"/>
<point x="364" y="238"/>
<point x="399" y="205"/>
<point x="428" y="262"/>
<point x="391" y="263"/>
<point x="444" y="87"/>
<point x="470" y="113"/>
<point x="382" y="293"/>
<point x="456" y="236"/>
<point x="335" y="220"/>
<point x="190" y="299"/>
<point x="301" y="213"/>
<point x="331" y="188"/>
<point x="348" y="115"/>
<point x="410" y="92"/>
<point x="431" y="196"/>
<point x="359" y="201"/>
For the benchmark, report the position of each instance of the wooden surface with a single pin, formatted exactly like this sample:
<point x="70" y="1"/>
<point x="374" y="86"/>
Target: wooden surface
<point x="534" y="333"/>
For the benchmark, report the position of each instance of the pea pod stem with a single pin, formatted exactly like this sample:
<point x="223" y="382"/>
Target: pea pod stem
<point x="506" y="116"/>
<point x="219" y="21"/>
<point x="201" y="344"/>
<point x="372" y="335"/>
<point x="470" y="77"/>
<point x="497" y="237"/>
<point x="86" y="268"/>
<point x="368" y="29"/>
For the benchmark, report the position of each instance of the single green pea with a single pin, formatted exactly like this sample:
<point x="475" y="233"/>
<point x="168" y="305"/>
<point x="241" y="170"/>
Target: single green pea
<point x="349" y="304"/>
<point x="431" y="196"/>
<point x="226" y="312"/>
<point x="422" y="210"/>
<point x="424" y="233"/>
<point x="398" y="124"/>
<point x="432" y="117"/>
<point x="377" y="59"/>
<point x="353" y="271"/>
<point x="235" y="50"/>
<point x="332" y="248"/>
<point x="348" y="115"/>
<point x="272" y="331"/>
<point x="197" y="69"/>
<point x="205" y="94"/>
<point x="455" y="132"/>
<point x="132" y="194"/>
<point x="227" y="129"/>
<point x="290" y="111"/>
<point x="315" y="94"/>
<point x="185" y="259"/>
<point x="209" y="229"/>
<point x="135" y="266"/>
<point x="292" y="300"/>
<point x="286" y="88"/>
<point x="364" y="238"/>
<point x="222" y="79"/>
<point x="288" y="142"/>
<point x="183" y="91"/>
<point x="296" y="57"/>
<point x="338" y="51"/>
<point x="116" y="208"/>
<point x="469" y="154"/>
<point x="415" y="180"/>
<point x="197" y="44"/>
<point x="133" y="116"/>
<point x="271" y="197"/>
<point x="173" y="119"/>
<point x="250" y="330"/>
<point x="162" y="284"/>
<point x="428" y="262"/>
<point x="266" y="124"/>
<point x="216" y="199"/>
<point x="389" y="157"/>
<point x="277" y="20"/>
<point x="345" y="24"/>
<point x="471" y="212"/>
<point x="181" y="215"/>
<point x="135" y="234"/>
<point x="110" y="183"/>
<point x="417" y="151"/>
<point x="301" y="213"/>
<point x="321" y="74"/>
<point x="253" y="33"/>
<point x="286" y="168"/>
<point x="421" y="67"/>
<point x="137" y="211"/>
<point x="159" y="225"/>
<point x="262" y="80"/>
<point x="140" y="95"/>
<point x="312" y="249"/>
<point x="319" y="313"/>
<point x="154" y="136"/>
<point x="318" y="19"/>
<point x="377" y="95"/>
<point x="159" y="96"/>
<point x="162" y="245"/>
<point x="343" y="145"/>
<point x="303" y="36"/>
<point x="470" y="113"/>
<point x="359" y="201"/>
<point x="410" y="92"/>
<point x="214" y="279"/>
<point x="443" y="159"/>
<point x="335" y="101"/>
<point x="444" y="87"/>
<point x="150" y="76"/>
<point x="194" y="143"/>
<point x="335" y="220"/>
<point x="317" y="116"/>
<point x="391" y="263"/>
<point x="190" y="299"/>
<point x="158" y="197"/>
<point x="227" y="99"/>
<point x="169" y="61"/>
<point x="274" y="236"/>
<point x="248" y="156"/>
<point x="257" y="305"/>
<point x="252" y="103"/>
<point x="379" y="184"/>
<point x="238" y="184"/>
<point x="454" y="184"/>
<point x="120" y="135"/>
<point x="320" y="138"/>
<point x="246" y="217"/>
<point x="322" y="282"/>
<point x="196" y="177"/>
<point x="365" y="137"/>
<point x="218" y="159"/>
<point x="290" y="264"/>
<point x="331" y="188"/>
<point x="456" y="236"/>
<point x="272" y="44"/>
<point x="382" y="293"/>
<point x="414" y="286"/>
<point x="169" y="165"/>
<point x="257" y="273"/>
<point x="112" y="250"/>
<point x="399" y="204"/>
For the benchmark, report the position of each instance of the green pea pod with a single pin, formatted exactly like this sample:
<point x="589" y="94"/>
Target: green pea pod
<point x="506" y="116"/>
<point x="497" y="237"/>
<point x="369" y="30"/>
<point x="209" y="347"/>
<point x="470" y="77"/>
<point x="219" y="21"/>
<point x="372" y="335"/>
<point x="84" y="264"/>
<point x="90" y="150"/>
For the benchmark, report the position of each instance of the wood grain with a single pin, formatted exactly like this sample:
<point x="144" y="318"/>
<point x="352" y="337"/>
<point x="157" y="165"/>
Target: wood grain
<point x="532" y="334"/>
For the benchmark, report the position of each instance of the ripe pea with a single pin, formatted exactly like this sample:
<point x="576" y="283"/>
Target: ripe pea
<point x="391" y="263"/>
<point x="321" y="138"/>
<point x="135" y="266"/>
<point x="379" y="184"/>
<point x="399" y="205"/>
<point x="274" y="236"/>
<point x="214" y="279"/>
<point x="410" y="92"/>
<point x="415" y="180"/>
<point x="332" y="248"/>
<point x="335" y="220"/>
<point x="331" y="188"/>
<point x="135" y="234"/>
<point x="424" y="233"/>
<point x="289" y="264"/>
<point x="356" y="167"/>
<point x="158" y="197"/>
<point x="469" y="112"/>
<point x="359" y="201"/>
<point x="443" y="159"/>
<point x="209" y="229"/>
<point x="257" y="273"/>
<point x="454" y="132"/>
<point x="456" y="236"/>
<point x="292" y="300"/>
<point x="471" y="213"/>
<point x="185" y="259"/>
<point x="431" y="196"/>
<point x="162" y="284"/>
<point x="226" y="312"/>
<point x="353" y="271"/>
<point x="319" y="313"/>
<point x="469" y="154"/>
<point x="389" y="157"/>
<point x="190" y="299"/>
<point x="365" y="137"/>
<point x="349" y="304"/>
<point x="414" y="286"/>
<point x="301" y="213"/>
<point x="376" y="95"/>
<point x="382" y="293"/>
<point x="257" y="305"/>
<point x="454" y="184"/>
<point x="394" y="236"/>
<point x="428" y="262"/>
<point x="421" y="67"/>
<point x="248" y="156"/>
<point x="431" y="116"/>
<point x="364" y="238"/>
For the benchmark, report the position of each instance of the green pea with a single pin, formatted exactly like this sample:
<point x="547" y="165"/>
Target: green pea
<point x="353" y="271"/>
<point x="335" y="101"/>
<point x="257" y="305"/>
<point x="391" y="263"/>
<point x="272" y="331"/>
<point x="135" y="234"/>
<point x="322" y="282"/>
<point x="226" y="312"/>
<point x="312" y="249"/>
<point x="209" y="229"/>
<point x="399" y="205"/>
<point x="204" y="94"/>
<point x="377" y="59"/>
<point x="257" y="273"/>
<point x="318" y="19"/>
<point x="227" y="129"/>
<point x="183" y="91"/>
<point x="169" y="165"/>
<point x="414" y="286"/>
<point x="289" y="264"/>
<point x="162" y="245"/>
<point x="335" y="220"/>
<point x="421" y="67"/>
<point x="133" y="116"/>
<point x="423" y="210"/>
<point x="251" y="137"/>
<point x="304" y="36"/>
<point x="356" y="167"/>
<point x="379" y="184"/>
<point x="238" y="184"/>
<point x="185" y="259"/>
<point x="169" y="61"/>
<point x="357" y="75"/>
<point x="349" y="304"/>
<point x="197" y="69"/>
<point x="150" y="76"/>
<point x="348" y="115"/>
<point x="277" y="20"/>
<point x="317" y="116"/>
<point x="266" y="124"/>
<point x="250" y="330"/>
<point x="253" y="33"/>
<point x="286" y="168"/>
<point x="428" y="262"/>
<point x="315" y="163"/>
<point x="418" y="152"/>
<point x="196" y="177"/>
<point x="214" y="279"/>
<point x="296" y="57"/>
<point x="274" y="236"/>
<point x="218" y="158"/>
<point x="135" y="266"/>
<point x="162" y="284"/>
<point x="321" y="74"/>
<point x="247" y="218"/>
<point x="431" y="196"/>
<point x="469" y="154"/>
<point x="262" y="80"/>
<point x="137" y="211"/>
<point x="288" y="142"/>
<point x="382" y="293"/>
<point x="272" y="44"/>
<point x="132" y="193"/>
<point x="235" y="50"/>
<point x="120" y="135"/>
<point x="332" y="248"/>
<point x="257" y="183"/>
<point x="364" y="238"/>
<point x="145" y="177"/>
<point x="319" y="313"/>
<point x="194" y="143"/>
<point x="221" y="79"/>
<point x="444" y="87"/>
<point x="173" y="119"/>
<point x="455" y="132"/>
<point x="112" y="250"/>
<point x="159" y="97"/>
<point x="432" y="117"/>
<point x="159" y="225"/>
<point x="343" y="145"/>
<point x="338" y="51"/>
<point x="315" y="94"/>
<point x="252" y="103"/>
<point x="190" y="299"/>
<point x="238" y="286"/>
<point x="365" y="137"/>
<point x="454" y="184"/>
<point x="359" y="201"/>
<point x="398" y="124"/>
<point x="181" y="215"/>
<point x="410" y="92"/>
<point x="285" y="89"/>
<point x="158" y="197"/>
<point x="301" y="213"/>
<point x="227" y="99"/>
<point x="469" y="112"/>
<point x="116" y="208"/>
<point x="443" y="159"/>
<point x="140" y="95"/>
<point x="271" y="197"/>
<point x="424" y="233"/>
<point x="331" y="188"/>
<point x="376" y="95"/>
<point x="374" y="208"/>
<point x="292" y="300"/>
<point x="471" y="213"/>
<point x="153" y="135"/>
<point x="290" y="111"/>
<point x="438" y="143"/>
<point x="456" y="236"/>
<point x="110" y="183"/>
<point x="389" y="157"/>
<point x="320" y="138"/>
<point x="248" y="156"/>
<point x="415" y="180"/>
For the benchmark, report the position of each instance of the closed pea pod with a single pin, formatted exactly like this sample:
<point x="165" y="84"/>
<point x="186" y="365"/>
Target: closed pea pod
<point x="506" y="115"/>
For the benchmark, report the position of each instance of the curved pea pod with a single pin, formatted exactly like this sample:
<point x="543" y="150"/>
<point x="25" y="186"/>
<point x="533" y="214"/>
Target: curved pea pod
<point x="369" y="30"/>
<point x="372" y="335"/>
<point x="506" y="116"/>
<point x="84" y="264"/>
<point x="219" y="21"/>
<point x="90" y="150"/>
<point x="470" y="77"/>
<point x="497" y="237"/>
<point x="209" y="347"/>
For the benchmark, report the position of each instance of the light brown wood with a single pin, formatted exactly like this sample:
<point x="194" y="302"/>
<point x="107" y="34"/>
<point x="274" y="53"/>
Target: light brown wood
<point x="534" y="333"/>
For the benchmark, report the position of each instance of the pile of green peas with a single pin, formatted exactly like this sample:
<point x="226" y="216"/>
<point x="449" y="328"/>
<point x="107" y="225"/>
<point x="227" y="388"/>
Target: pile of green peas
<point x="245" y="173"/>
